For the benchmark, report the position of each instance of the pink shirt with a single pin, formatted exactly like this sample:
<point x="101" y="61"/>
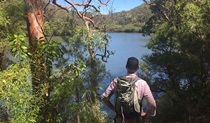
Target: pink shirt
<point x="143" y="92"/>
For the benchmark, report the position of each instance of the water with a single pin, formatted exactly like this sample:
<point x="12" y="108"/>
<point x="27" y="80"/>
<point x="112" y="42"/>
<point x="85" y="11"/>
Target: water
<point x="125" y="45"/>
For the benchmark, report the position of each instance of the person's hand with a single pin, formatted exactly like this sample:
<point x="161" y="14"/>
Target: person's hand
<point x="143" y="115"/>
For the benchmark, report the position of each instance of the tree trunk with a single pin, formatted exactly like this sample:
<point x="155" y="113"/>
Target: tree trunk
<point x="35" y="33"/>
<point x="35" y="15"/>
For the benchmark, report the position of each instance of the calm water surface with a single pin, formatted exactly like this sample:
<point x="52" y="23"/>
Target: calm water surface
<point x="125" y="45"/>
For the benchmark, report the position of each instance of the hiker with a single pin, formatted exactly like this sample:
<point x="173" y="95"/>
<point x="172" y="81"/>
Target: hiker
<point x="142" y="89"/>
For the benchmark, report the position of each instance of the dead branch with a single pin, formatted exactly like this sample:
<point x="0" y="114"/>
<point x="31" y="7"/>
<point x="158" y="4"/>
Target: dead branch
<point x="107" y="53"/>
<point x="60" y="6"/>
<point x="104" y="3"/>
<point x="88" y="20"/>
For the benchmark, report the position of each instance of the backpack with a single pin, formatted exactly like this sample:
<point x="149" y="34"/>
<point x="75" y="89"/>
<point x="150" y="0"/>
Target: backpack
<point x="126" y="99"/>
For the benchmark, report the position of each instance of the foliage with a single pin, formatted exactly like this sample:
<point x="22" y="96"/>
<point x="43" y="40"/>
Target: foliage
<point x="179" y="63"/>
<point x="12" y="18"/>
<point x="64" y="86"/>
<point x="11" y="22"/>
<point x="19" y="49"/>
<point x="59" y="22"/>
<point x="18" y="104"/>
<point x="124" y="28"/>
<point x="67" y="91"/>
<point x="73" y="69"/>
<point x="76" y="90"/>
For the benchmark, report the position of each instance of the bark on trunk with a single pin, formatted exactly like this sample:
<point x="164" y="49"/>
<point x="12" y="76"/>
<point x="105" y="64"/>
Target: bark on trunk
<point x="35" y="33"/>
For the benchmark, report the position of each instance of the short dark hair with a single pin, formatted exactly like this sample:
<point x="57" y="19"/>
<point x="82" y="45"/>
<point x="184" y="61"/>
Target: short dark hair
<point x="132" y="63"/>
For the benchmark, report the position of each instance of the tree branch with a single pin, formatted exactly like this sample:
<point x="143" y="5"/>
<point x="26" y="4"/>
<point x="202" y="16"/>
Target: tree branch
<point x="104" y="3"/>
<point x="87" y="20"/>
<point x="86" y="5"/>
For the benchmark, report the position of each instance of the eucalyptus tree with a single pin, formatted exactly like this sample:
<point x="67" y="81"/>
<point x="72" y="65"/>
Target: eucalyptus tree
<point x="35" y="13"/>
<point x="179" y="62"/>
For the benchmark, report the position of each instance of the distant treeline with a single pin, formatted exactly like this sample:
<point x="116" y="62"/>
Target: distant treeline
<point x="125" y="21"/>
<point x="128" y="21"/>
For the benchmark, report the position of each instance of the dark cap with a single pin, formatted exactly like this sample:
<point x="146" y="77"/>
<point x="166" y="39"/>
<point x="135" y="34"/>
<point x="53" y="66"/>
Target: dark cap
<point x="132" y="63"/>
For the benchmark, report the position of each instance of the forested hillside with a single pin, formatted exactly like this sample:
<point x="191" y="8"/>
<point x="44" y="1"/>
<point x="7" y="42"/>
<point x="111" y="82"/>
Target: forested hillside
<point x="128" y="21"/>
<point x="125" y="21"/>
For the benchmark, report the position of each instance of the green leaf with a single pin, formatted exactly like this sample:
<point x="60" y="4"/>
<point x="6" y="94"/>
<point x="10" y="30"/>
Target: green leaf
<point x="14" y="49"/>
<point x="22" y="38"/>
<point x="23" y="56"/>
<point x="24" y="47"/>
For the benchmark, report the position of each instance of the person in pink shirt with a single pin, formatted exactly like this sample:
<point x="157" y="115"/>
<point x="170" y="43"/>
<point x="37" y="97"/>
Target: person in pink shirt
<point x="143" y="91"/>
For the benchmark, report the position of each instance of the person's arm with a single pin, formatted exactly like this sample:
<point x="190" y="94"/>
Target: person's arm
<point x="151" y="104"/>
<point x="108" y="103"/>
<point x="107" y="94"/>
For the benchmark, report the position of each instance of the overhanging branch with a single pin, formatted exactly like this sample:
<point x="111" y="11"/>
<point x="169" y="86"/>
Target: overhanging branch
<point x="88" y="20"/>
